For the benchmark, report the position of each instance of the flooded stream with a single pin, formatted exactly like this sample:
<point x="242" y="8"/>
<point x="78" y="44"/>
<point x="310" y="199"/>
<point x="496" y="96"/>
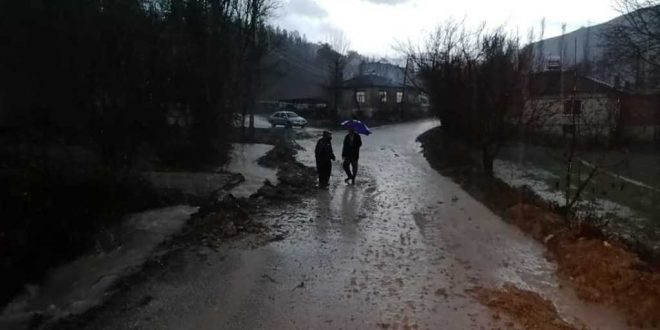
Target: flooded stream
<point x="244" y="160"/>
<point x="75" y="287"/>
<point x="81" y="284"/>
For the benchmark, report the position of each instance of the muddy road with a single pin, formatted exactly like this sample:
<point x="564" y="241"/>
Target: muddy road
<point x="399" y="249"/>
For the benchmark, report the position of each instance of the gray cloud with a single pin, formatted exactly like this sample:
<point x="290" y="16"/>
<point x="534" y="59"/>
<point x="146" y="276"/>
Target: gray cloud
<point x="387" y="2"/>
<point x="308" y="8"/>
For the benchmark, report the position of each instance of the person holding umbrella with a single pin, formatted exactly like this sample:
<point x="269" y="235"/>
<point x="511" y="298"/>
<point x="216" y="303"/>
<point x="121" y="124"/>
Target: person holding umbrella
<point x="324" y="157"/>
<point x="351" y="153"/>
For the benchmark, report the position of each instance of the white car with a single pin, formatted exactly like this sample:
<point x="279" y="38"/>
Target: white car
<point x="287" y="119"/>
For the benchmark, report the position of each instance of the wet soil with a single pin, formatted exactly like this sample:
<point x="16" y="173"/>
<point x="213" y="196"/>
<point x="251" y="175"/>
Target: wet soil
<point x="295" y="179"/>
<point x="524" y="309"/>
<point x="601" y="270"/>
<point x="608" y="273"/>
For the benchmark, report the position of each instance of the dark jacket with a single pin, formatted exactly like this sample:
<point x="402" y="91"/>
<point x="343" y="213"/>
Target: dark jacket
<point x="351" y="149"/>
<point x="323" y="151"/>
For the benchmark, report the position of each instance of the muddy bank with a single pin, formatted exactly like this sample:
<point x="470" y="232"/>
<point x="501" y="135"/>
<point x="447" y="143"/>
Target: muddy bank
<point x="50" y="217"/>
<point x="272" y="136"/>
<point x="295" y="179"/>
<point x="513" y="306"/>
<point x="600" y="268"/>
<point x="192" y="188"/>
<point x="221" y="222"/>
<point x="76" y="286"/>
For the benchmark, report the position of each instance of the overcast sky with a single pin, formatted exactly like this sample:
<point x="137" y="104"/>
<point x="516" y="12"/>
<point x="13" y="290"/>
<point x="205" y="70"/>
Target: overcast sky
<point x="374" y="26"/>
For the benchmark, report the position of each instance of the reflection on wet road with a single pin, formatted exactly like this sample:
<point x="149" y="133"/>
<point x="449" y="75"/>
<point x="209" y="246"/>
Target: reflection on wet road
<point x="396" y="250"/>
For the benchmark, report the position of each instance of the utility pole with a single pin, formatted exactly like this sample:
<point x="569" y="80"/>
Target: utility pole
<point x="403" y="92"/>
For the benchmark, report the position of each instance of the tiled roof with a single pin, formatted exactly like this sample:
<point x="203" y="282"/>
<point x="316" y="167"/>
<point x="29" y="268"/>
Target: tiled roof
<point x="370" y="80"/>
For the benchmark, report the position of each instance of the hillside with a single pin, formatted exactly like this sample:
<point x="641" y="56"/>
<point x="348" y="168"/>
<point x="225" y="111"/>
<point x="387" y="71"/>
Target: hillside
<point x="579" y="46"/>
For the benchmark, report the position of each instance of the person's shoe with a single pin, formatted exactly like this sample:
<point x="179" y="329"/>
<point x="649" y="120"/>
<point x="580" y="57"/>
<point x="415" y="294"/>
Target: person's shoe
<point x="347" y="180"/>
<point x="353" y="180"/>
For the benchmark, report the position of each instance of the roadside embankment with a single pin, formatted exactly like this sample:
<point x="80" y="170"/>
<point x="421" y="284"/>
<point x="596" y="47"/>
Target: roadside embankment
<point x="600" y="268"/>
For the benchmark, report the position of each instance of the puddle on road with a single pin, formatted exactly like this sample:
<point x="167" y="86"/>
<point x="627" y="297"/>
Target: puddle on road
<point x="244" y="160"/>
<point x="81" y="284"/>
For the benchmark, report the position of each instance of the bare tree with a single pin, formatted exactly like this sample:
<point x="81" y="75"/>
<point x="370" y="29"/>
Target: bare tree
<point x="473" y="79"/>
<point x="335" y="54"/>
<point x="583" y="128"/>
<point x="634" y="44"/>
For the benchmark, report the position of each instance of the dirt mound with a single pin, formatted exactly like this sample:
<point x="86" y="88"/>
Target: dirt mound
<point x="282" y="153"/>
<point x="527" y="309"/>
<point x="227" y="218"/>
<point x="534" y="220"/>
<point x="601" y="272"/>
<point x="294" y="178"/>
<point x="606" y="273"/>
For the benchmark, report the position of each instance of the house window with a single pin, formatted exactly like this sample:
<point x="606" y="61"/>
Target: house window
<point x="360" y="97"/>
<point x="399" y="97"/>
<point x="383" y="96"/>
<point x="573" y="107"/>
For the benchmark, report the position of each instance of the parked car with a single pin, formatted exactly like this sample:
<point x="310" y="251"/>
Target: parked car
<point x="287" y="119"/>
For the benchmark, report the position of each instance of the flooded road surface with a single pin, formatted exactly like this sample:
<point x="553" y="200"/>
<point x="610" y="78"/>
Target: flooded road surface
<point x="244" y="159"/>
<point x="397" y="250"/>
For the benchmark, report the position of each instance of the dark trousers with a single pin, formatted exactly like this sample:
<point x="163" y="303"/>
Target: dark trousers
<point x="324" y="171"/>
<point x="350" y="163"/>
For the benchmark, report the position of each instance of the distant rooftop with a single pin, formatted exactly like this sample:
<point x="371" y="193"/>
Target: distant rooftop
<point x="552" y="83"/>
<point x="370" y="80"/>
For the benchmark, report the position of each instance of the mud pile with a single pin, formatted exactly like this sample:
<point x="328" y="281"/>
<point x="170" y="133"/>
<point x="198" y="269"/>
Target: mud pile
<point x="294" y="178"/>
<point x="600" y="271"/>
<point x="282" y="153"/>
<point x="606" y="273"/>
<point x="527" y="309"/>
<point x="222" y="220"/>
<point x="535" y="221"/>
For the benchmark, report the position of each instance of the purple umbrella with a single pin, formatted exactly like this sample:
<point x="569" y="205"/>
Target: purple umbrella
<point x="356" y="125"/>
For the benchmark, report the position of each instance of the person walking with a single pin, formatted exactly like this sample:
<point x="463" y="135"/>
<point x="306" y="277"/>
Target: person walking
<point x="324" y="157"/>
<point x="350" y="154"/>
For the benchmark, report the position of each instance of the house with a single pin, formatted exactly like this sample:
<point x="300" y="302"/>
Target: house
<point x="560" y="103"/>
<point x="370" y="95"/>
